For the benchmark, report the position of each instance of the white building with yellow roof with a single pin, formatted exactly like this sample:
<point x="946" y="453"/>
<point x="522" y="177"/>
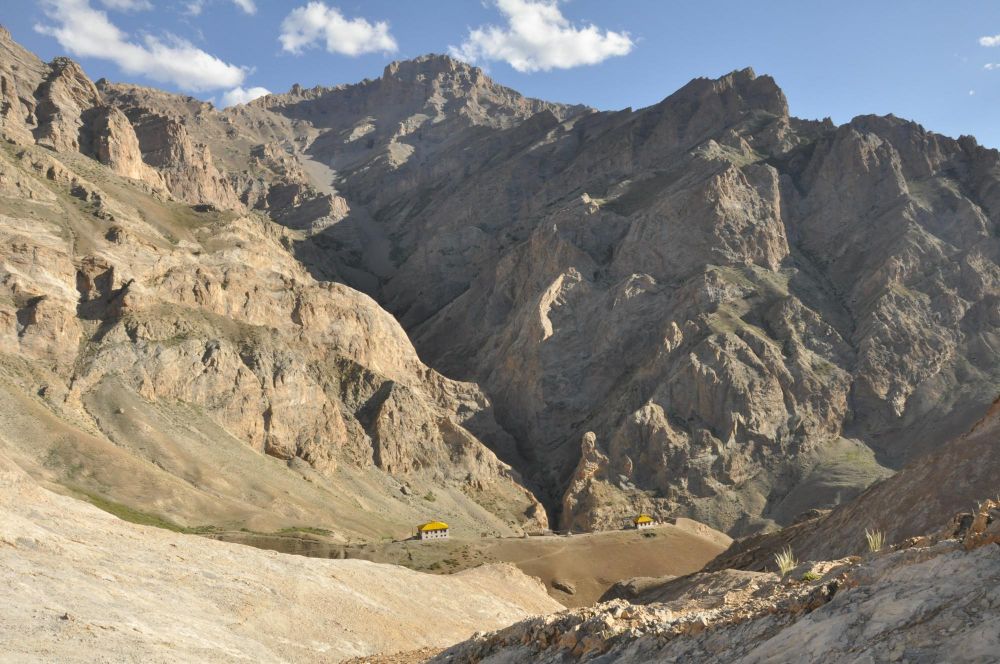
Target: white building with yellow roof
<point x="432" y="530"/>
<point x="643" y="521"/>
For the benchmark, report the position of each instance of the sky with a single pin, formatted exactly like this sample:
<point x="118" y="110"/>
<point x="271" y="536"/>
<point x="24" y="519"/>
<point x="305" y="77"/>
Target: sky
<point x="935" y="62"/>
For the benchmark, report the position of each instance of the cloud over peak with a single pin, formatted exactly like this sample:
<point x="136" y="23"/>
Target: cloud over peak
<point x="87" y="32"/>
<point x="538" y="37"/>
<point x="241" y="95"/>
<point x="318" y="22"/>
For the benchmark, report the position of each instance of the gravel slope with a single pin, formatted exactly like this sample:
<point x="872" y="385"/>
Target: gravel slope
<point x="79" y="585"/>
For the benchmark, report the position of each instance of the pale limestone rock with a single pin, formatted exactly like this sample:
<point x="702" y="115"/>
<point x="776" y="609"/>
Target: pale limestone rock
<point x="63" y="100"/>
<point x="125" y="294"/>
<point x="114" y="143"/>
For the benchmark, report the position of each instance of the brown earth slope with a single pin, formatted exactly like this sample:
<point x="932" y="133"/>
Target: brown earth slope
<point x="82" y="586"/>
<point x="179" y="362"/>
<point x="934" y="600"/>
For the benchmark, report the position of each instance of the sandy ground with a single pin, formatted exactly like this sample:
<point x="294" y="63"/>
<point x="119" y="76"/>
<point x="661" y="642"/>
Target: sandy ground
<point x="589" y="563"/>
<point x="80" y="585"/>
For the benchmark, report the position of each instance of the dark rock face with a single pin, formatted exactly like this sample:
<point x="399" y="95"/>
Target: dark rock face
<point x="755" y="315"/>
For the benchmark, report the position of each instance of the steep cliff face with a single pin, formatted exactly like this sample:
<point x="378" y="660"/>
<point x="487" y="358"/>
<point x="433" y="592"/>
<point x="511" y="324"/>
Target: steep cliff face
<point x="183" y="362"/>
<point x="748" y="314"/>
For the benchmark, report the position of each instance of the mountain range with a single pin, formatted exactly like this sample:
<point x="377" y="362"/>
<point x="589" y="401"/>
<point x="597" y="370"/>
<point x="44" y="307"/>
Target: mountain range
<point x="426" y="292"/>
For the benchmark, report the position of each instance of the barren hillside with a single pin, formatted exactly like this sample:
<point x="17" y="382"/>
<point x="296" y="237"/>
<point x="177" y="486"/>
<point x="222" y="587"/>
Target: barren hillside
<point x="933" y="599"/>
<point x="180" y="364"/>
<point x="81" y="585"/>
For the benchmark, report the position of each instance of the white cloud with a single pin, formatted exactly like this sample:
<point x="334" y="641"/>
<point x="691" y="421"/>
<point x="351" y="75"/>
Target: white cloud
<point x="246" y="5"/>
<point x="538" y="37"/>
<point x="86" y="32"/>
<point x="317" y="21"/>
<point x="240" y="95"/>
<point x="195" y="7"/>
<point x="972" y="93"/>
<point x="127" y="5"/>
<point x="990" y="66"/>
<point x="990" y="41"/>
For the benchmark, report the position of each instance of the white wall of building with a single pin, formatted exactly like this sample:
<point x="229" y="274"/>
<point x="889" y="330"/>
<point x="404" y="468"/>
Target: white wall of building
<point x="434" y="534"/>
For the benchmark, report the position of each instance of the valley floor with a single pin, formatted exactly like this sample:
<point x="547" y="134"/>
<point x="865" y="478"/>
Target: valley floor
<point x="576" y="570"/>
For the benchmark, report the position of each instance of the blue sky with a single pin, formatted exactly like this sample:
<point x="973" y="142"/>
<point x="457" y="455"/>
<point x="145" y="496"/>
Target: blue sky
<point x="923" y="60"/>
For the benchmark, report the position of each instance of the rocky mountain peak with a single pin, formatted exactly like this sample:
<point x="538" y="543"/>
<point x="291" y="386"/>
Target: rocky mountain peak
<point x="756" y="91"/>
<point x="738" y="104"/>
<point x="433" y="66"/>
<point x="741" y="90"/>
<point x="438" y="80"/>
<point x="63" y="99"/>
<point x="409" y="92"/>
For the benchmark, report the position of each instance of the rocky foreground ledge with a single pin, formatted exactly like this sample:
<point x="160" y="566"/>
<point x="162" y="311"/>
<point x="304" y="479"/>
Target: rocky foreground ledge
<point x="930" y="599"/>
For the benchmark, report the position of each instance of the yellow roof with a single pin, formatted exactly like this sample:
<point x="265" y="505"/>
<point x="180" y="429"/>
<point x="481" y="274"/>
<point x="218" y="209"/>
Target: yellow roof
<point x="643" y="518"/>
<point x="432" y="525"/>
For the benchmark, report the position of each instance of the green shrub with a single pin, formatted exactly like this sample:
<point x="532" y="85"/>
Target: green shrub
<point x="810" y="576"/>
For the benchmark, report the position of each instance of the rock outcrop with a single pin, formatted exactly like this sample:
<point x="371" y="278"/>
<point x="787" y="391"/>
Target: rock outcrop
<point x="933" y="600"/>
<point x="63" y="99"/>
<point x="113" y="142"/>
<point x="21" y="73"/>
